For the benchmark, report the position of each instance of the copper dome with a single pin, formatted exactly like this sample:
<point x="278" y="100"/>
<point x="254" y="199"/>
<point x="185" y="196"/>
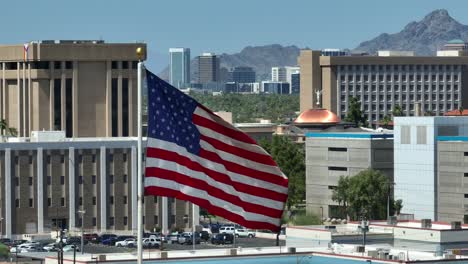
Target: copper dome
<point x="317" y="116"/>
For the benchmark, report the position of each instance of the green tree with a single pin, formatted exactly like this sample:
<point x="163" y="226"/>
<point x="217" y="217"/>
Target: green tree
<point x="10" y="131"/>
<point x="461" y="109"/>
<point x="365" y="194"/>
<point x="398" y="205"/>
<point x="355" y="114"/>
<point x="3" y="126"/>
<point x="386" y="121"/>
<point x="397" y="111"/>
<point x="290" y="157"/>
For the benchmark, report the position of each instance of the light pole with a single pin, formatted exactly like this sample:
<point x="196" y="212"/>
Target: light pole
<point x="81" y="213"/>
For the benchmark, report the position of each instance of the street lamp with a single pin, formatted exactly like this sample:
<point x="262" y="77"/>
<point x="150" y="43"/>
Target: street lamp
<point x="81" y="213"/>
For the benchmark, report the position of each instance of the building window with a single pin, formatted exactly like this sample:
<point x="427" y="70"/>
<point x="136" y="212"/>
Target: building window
<point x="16" y="181"/>
<point x="94" y="221"/>
<point x="134" y="64"/>
<point x="466" y="195"/>
<point x="337" y="169"/>
<point x="124" y="64"/>
<point x="114" y="107"/>
<point x="49" y="202"/>
<point x="93" y="158"/>
<point x="124" y="157"/>
<point x="62" y="201"/>
<point x="465" y="154"/>
<point x="111" y="179"/>
<point x="114" y="65"/>
<point x="68" y="65"/>
<point x="111" y="221"/>
<point x="155" y="199"/>
<point x="57" y="65"/>
<point x="80" y="179"/>
<point x="125" y="178"/>
<point x="421" y="135"/>
<point x="31" y="203"/>
<point x="125" y="220"/>
<point x="17" y="203"/>
<point x="156" y="220"/>
<point x="93" y="179"/>
<point x="62" y="180"/>
<point x="332" y="187"/>
<point x="49" y="180"/>
<point x="125" y="112"/>
<point x="124" y="199"/>
<point x="62" y="159"/>
<point x="30" y="160"/>
<point x="338" y="149"/>
<point x="94" y="200"/>
<point x="69" y="107"/>
<point x="30" y="181"/>
<point x="80" y="201"/>
<point x="405" y="135"/>
<point x="57" y="104"/>
<point x="111" y="199"/>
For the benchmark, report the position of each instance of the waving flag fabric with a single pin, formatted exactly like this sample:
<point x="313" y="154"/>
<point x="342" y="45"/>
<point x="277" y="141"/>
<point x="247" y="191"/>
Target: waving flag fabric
<point x="194" y="155"/>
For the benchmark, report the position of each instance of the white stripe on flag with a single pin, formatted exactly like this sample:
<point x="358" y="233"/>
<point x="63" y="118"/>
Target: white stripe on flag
<point x="176" y="167"/>
<point x="157" y="143"/>
<point x="201" y="194"/>
<point x="239" y="160"/>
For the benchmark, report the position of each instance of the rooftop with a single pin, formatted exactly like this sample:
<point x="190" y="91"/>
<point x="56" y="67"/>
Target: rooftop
<point x="317" y="116"/>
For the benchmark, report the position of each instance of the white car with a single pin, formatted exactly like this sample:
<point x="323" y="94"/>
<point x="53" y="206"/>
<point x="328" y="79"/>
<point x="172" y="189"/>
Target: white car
<point x="124" y="243"/>
<point x="227" y="230"/>
<point x="151" y="242"/>
<point x="50" y="247"/>
<point x="245" y="233"/>
<point x="69" y="248"/>
<point x="23" y="248"/>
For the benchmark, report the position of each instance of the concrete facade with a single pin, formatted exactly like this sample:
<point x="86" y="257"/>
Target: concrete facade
<point x="44" y="184"/>
<point x="380" y="83"/>
<point x="427" y="190"/>
<point x="331" y="155"/>
<point x="86" y="88"/>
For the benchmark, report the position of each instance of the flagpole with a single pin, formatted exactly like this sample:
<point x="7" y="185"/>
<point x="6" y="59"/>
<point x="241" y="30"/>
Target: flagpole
<point x="139" y="156"/>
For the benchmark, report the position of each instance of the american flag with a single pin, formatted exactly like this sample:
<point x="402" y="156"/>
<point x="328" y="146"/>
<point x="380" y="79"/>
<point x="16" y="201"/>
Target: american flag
<point x="194" y="155"/>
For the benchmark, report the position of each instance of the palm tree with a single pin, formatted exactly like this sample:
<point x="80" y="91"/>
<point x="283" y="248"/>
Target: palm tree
<point x="398" y="204"/>
<point x="3" y="126"/>
<point x="386" y="121"/>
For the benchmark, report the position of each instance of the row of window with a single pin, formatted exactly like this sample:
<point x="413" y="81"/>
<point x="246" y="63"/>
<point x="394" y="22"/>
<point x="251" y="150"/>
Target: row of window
<point x="80" y="179"/>
<point x="80" y="158"/>
<point x="399" y="67"/>
<point x="404" y="98"/>
<point x="430" y="107"/>
<point x="68" y="65"/>
<point x="396" y="78"/>
<point x="111" y="221"/>
<point x="80" y="201"/>
<point x="396" y="89"/>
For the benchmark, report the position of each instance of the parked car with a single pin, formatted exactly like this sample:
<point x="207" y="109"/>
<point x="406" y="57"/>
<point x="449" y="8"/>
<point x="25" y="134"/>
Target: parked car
<point x="93" y="238"/>
<point x="227" y="229"/>
<point x="75" y="240"/>
<point x="5" y="241"/>
<point x="205" y="235"/>
<point x="151" y="243"/>
<point x="188" y="240"/>
<point x="124" y="243"/>
<point x="69" y="248"/>
<point x="106" y="236"/>
<point x="24" y="248"/>
<point x="50" y="247"/>
<point x="245" y="233"/>
<point x="112" y="240"/>
<point x="173" y="238"/>
<point x="221" y="239"/>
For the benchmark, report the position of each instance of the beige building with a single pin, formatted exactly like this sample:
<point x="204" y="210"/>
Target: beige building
<point x="86" y="88"/>
<point x="45" y="184"/>
<point x="380" y="83"/>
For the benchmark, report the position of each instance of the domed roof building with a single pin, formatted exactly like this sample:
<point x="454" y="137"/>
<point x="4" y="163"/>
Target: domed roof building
<point x="317" y="116"/>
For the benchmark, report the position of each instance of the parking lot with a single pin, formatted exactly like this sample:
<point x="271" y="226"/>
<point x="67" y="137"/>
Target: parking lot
<point x="240" y="242"/>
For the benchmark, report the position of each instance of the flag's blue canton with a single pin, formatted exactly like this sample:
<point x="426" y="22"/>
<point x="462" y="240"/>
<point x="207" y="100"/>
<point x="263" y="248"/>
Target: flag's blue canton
<point x="170" y="114"/>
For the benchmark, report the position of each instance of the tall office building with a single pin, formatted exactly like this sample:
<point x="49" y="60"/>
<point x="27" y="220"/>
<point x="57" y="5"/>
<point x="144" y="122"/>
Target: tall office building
<point x="179" y="67"/>
<point x="208" y="68"/>
<point x="381" y="83"/>
<point x="243" y="75"/>
<point x="283" y="74"/>
<point x="86" y="88"/>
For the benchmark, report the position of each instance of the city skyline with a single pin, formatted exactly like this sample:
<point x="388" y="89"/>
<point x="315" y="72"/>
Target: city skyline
<point x="149" y="22"/>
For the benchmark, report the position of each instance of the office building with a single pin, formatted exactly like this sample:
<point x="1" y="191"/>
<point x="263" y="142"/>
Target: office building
<point x="283" y="74"/>
<point x="179" y="67"/>
<point x="46" y="183"/>
<point x="334" y="52"/>
<point x="381" y="83"/>
<point x="85" y="88"/>
<point x="208" y="68"/>
<point x="335" y="149"/>
<point x="243" y="75"/>
<point x="430" y="166"/>
<point x="271" y="87"/>
<point x="247" y="88"/>
<point x="295" y="83"/>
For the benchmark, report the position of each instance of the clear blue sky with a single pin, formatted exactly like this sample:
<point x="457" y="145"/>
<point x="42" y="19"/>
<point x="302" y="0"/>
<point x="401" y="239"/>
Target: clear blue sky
<point x="215" y="25"/>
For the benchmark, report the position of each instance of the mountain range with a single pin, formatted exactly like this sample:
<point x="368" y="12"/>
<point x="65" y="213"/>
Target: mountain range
<point x="423" y="37"/>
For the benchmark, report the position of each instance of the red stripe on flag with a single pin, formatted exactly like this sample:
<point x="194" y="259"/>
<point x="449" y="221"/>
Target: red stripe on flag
<point x="230" y="132"/>
<point x="160" y="191"/>
<point x="215" y="175"/>
<point x="212" y="191"/>
<point x="239" y="169"/>
<point x="243" y="153"/>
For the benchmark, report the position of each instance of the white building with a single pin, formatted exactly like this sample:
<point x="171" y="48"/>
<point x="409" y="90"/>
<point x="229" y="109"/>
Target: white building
<point x="416" y="161"/>
<point x="179" y="67"/>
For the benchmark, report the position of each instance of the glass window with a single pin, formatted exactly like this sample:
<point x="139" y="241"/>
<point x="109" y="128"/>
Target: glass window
<point x="124" y="64"/>
<point x="405" y="135"/>
<point x="114" y="65"/>
<point x="31" y="203"/>
<point x="94" y="200"/>
<point x="421" y="135"/>
<point x="68" y="65"/>
<point x="93" y="179"/>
